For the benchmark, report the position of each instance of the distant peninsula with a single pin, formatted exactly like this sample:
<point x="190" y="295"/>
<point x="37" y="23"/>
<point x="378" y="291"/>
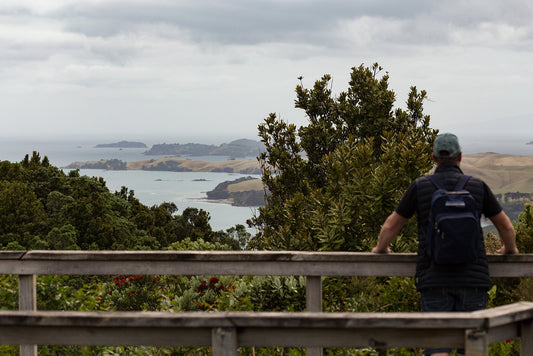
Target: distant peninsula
<point x="173" y="164"/>
<point x="239" y="148"/>
<point x="122" y="144"/>
<point x="245" y="191"/>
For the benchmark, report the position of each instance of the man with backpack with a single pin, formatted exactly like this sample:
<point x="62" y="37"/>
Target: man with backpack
<point x="452" y="270"/>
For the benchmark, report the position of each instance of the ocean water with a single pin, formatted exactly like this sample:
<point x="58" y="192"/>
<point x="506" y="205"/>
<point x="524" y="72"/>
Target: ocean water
<point x="504" y="145"/>
<point x="185" y="189"/>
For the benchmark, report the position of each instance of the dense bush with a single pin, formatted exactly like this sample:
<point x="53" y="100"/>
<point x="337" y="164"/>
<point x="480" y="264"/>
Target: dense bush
<point x="41" y="207"/>
<point x="333" y="182"/>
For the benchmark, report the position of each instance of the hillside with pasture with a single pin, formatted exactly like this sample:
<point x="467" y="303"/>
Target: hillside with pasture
<point x="503" y="173"/>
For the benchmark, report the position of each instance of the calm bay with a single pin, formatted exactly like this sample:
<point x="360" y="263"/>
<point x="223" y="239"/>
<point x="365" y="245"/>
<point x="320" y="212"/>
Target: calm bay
<point x="185" y="189"/>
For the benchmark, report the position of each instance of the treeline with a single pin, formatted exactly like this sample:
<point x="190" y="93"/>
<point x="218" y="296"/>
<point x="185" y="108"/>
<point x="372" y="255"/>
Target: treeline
<point x="171" y="165"/>
<point x="41" y="207"/>
<point x="513" y="203"/>
<point x="237" y="148"/>
<point x="514" y="196"/>
<point x="109" y="164"/>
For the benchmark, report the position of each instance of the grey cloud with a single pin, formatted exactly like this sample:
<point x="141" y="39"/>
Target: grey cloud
<point x="111" y="29"/>
<point x="232" y="22"/>
<point x="472" y="12"/>
<point x="314" y="22"/>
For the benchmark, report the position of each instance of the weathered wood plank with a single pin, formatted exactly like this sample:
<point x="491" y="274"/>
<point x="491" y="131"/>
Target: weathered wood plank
<point x="476" y="343"/>
<point x="157" y="267"/>
<point x="224" y="341"/>
<point x="433" y="330"/>
<point x="27" y="292"/>
<point x="216" y="256"/>
<point x="313" y="291"/>
<point x="241" y="319"/>
<point x="105" y="336"/>
<point x="483" y="319"/>
<point x="236" y="256"/>
<point x="526" y="334"/>
<point x="254" y="329"/>
<point x="12" y="255"/>
<point x="27" y="301"/>
<point x="505" y="314"/>
<point x="235" y="263"/>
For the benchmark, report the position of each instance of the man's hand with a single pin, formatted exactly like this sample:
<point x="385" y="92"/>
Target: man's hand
<point x="505" y="251"/>
<point x="377" y="250"/>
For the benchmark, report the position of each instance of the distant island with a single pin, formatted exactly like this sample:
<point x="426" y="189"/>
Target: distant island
<point x="239" y="148"/>
<point x="122" y="144"/>
<point x="529" y="143"/>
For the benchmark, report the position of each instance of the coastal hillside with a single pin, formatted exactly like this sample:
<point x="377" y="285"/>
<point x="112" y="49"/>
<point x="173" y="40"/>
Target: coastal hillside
<point x="503" y="173"/>
<point x="245" y="191"/>
<point x="173" y="164"/>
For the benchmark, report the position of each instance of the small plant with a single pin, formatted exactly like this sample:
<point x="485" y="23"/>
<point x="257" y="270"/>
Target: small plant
<point x="197" y="293"/>
<point x="136" y="292"/>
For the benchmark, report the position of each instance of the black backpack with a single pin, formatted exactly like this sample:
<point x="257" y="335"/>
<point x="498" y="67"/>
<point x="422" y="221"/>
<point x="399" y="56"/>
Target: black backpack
<point x="454" y="233"/>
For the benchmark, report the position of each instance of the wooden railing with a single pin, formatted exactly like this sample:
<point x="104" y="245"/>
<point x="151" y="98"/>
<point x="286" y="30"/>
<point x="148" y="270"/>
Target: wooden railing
<point x="229" y="330"/>
<point x="225" y="332"/>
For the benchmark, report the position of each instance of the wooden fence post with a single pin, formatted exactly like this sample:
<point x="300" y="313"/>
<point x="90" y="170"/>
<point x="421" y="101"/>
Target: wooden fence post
<point x="27" y="301"/>
<point x="313" y="298"/>
<point x="476" y="343"/>
<point x="526" y="338"/>
<point x="313" y="293"/>
<point x="224" y="341"/>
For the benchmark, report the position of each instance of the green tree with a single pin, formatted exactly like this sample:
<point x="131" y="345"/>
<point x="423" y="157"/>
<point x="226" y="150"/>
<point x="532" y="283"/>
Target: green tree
<point x="334" y="181"/>
<point x="524" y="229"/>
<point x="41" y="207"/>
<point x="22" y="215"/>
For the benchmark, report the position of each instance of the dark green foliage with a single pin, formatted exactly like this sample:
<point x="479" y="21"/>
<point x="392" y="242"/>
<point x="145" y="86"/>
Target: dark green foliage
<point x="513" y="203"/>
<point x="524" y="229"/>
<point x="237" y="148"/>
<point x="41" y="207"/>
<point x="112" y="164"/>
<point x="370" y="294"/>
<point x="275" y="293"/>
<point x="334" y="181"/>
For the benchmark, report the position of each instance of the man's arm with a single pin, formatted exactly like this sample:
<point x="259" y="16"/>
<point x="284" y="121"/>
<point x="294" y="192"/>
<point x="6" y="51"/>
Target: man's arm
<point x="389" y="231"/>
<point x="506" y="231"/>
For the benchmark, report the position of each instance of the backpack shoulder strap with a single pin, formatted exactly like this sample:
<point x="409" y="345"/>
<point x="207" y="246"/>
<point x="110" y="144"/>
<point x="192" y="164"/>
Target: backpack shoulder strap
<point x="436" y="181"/>
<point x="462" y="182"/>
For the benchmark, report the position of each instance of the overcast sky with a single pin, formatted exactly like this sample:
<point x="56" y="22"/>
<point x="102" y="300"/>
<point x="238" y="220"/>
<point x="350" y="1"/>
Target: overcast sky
<point x="165" y="69"/>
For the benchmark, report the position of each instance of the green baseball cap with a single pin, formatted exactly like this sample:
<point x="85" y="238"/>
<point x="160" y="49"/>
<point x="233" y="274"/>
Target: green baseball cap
<point x="446" y="146"/>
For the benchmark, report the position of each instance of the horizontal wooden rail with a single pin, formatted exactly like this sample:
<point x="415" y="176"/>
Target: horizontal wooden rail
<point x="226" y="331"/>
<point x="272" y="263"/>
<point x="312" y="265"/>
